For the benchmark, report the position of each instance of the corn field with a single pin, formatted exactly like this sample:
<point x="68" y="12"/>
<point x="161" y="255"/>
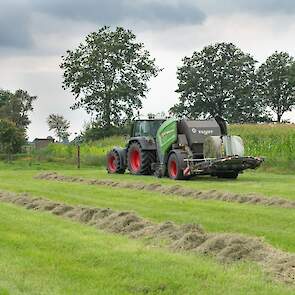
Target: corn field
<point x="275" y="142"/>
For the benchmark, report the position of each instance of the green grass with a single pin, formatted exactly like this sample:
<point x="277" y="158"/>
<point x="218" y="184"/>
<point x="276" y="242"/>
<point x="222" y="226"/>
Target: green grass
<point x="267" y="184"/>
<point x="276" y="225"/>
<point x="26" y="165"/>
<point x="44" y="254"/>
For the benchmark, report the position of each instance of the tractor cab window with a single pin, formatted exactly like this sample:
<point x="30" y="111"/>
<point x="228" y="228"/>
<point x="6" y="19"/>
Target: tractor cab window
<point x="146" y="128"/>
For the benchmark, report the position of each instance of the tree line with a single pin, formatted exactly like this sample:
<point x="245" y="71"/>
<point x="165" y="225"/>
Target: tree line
<point x="222" y="80"/>
<point x="108" y="75"/>
<point x="109" y="71"/>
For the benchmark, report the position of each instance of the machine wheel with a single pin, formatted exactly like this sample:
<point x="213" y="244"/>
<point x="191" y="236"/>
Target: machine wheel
<point x="175" y="166"/>
<point x="228" y="175"/>
<point x="140" y="161"/>
<point x="114" y="163"/>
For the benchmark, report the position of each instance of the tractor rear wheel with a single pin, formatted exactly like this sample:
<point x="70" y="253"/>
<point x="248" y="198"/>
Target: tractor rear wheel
<point x="175" y="166"/>
<point x="114" y="163"/>
<point x="140" y="161"/>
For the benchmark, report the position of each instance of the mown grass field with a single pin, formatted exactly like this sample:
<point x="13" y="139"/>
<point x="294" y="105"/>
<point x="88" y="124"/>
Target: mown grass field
<point x="44" y="254"/>
<point x="41" y="254"/>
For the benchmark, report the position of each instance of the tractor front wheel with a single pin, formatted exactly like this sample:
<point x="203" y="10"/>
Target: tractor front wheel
<point x="114" y="163"/>
<point x="139" y="161"/>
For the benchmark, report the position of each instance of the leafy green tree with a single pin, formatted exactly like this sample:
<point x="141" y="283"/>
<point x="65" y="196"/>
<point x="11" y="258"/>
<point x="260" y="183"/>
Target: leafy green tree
<point x="276" y="83"/>
<point x="16" y="106"/>
<point x="218" y="81"/>
<point x="11" y="137"/>
<point x="291" y="74"/>
<point x="4" y="97"/>
<point x="93" y="131"/>
<point x="60" y="126"/>
<point x="108" y="75"/>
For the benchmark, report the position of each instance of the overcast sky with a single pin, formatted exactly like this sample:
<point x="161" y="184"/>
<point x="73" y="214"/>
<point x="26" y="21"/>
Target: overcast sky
<point x="35" y="33"/>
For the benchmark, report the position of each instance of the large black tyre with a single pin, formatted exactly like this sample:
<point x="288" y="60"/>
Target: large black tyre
<point x="114" y="163"/>
<point x="228" y="175"/>
<point x="139" y="160"/>
<point x="176" y="166"/>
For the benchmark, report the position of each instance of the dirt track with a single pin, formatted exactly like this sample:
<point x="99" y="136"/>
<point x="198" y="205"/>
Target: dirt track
<point x="189" y="237"/>
<point x="176" y="190"/>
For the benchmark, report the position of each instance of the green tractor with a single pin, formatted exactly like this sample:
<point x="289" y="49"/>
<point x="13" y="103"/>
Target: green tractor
<point x="181" y="149"/>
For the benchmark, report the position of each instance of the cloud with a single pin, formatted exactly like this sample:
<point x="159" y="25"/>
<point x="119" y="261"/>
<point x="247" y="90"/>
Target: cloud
<point x="17" y="31"/>
<point x="257" y="7"/>
<point x="266" y="6"/>
<point x="14" y="25"/>
<point x="117" y="11"/>
<point x="16" y="16"/>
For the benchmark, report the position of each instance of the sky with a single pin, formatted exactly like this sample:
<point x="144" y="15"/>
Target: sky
<point x="34" y="34"/>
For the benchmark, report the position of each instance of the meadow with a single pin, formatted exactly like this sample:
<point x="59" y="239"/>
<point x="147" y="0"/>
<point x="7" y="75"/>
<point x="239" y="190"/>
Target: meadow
<point x="84" y="260"/>
<point x="46" y="254"/>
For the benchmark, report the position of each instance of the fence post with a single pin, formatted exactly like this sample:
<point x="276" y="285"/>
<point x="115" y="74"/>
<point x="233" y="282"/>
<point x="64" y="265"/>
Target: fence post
<point x="78" y="156"/>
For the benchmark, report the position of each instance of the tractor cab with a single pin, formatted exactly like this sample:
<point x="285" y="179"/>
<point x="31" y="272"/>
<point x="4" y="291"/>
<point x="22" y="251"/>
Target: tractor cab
<point x="146" y="128"/>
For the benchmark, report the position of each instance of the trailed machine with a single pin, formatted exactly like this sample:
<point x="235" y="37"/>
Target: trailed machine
<point x="181" y="149"/>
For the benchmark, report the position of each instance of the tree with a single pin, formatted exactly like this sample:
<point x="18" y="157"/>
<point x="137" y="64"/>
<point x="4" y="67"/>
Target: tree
<point x="14" y="118"/>
<point x="108" y="75"/>
<point x="291" y="74"/>
<point x="93" y="131"/>
<point x="60" y="126"/>
<point x="11" y="137"/>
<point x="218" y="81"/>
<point x="16" y="106"/>
<point x="276" y="83"/>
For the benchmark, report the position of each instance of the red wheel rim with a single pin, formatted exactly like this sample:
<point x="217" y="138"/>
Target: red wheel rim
<point x="112" y="165"/>
<point x="135" y="160"/>
<point x="173" y="168"/>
